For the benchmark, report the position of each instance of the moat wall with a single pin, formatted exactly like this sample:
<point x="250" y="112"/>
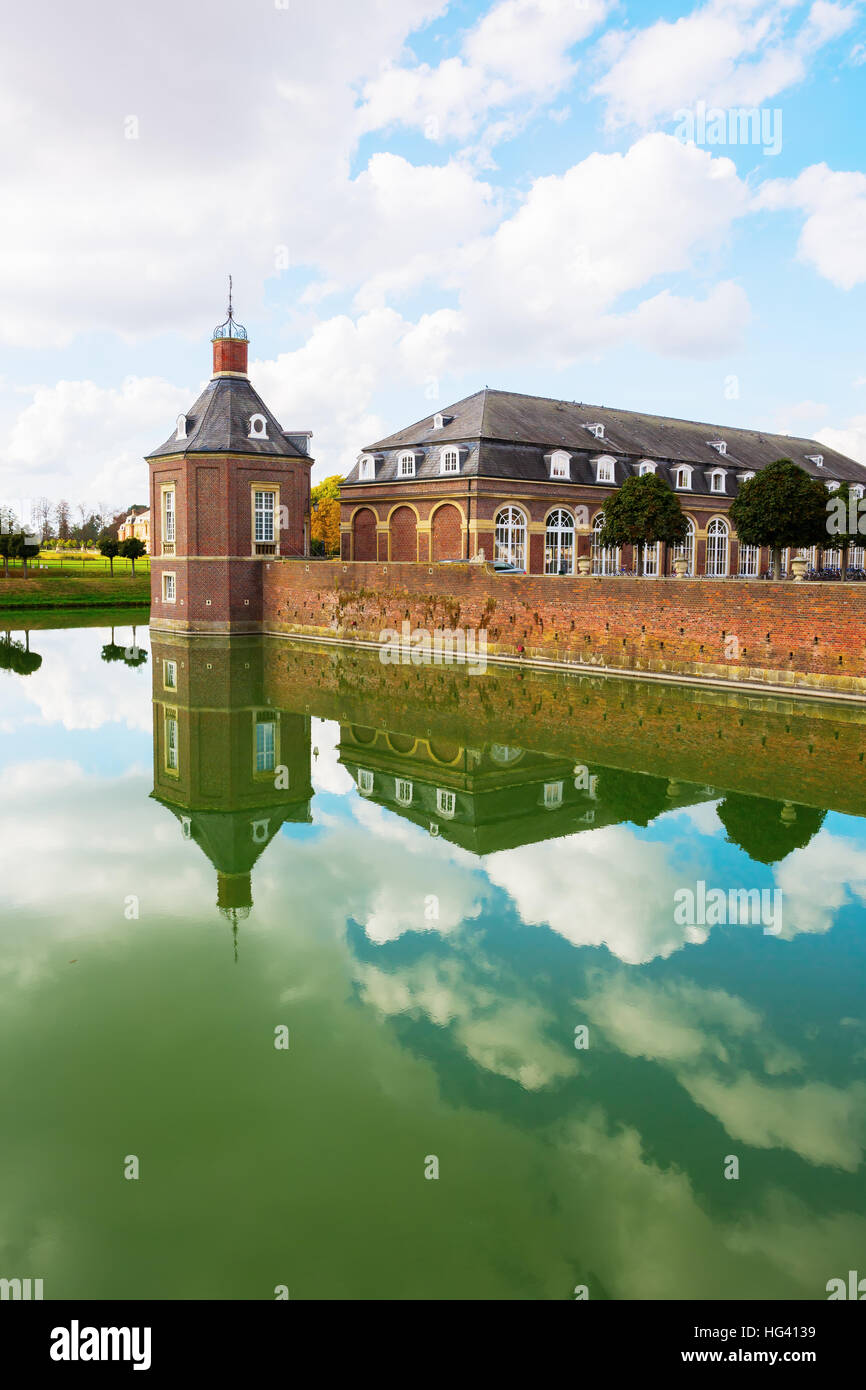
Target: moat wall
<point x="808" y="637"/>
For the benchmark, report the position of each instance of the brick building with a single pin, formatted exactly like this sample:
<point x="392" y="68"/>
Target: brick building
<point x="523" y="478"/>
<point x="229" y="489"/>
<point x="136" y="526"/>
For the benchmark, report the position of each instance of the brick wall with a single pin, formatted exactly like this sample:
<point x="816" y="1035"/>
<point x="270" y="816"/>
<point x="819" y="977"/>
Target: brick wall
<point x="799" y="635"/>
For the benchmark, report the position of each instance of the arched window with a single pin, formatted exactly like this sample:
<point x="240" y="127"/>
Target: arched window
<point x="717" y="548"/>
<point x="683" y="477"/>
<point x="605" y="559"/>
<point x="686" y="551"/>
<point x="406" y="466"/>
<point x="560" y="463"/>
<point x="646" y="466"/>
<point x="511" y="537"/>
<point x="559" y="543"/>
<point x="748" y="561"/>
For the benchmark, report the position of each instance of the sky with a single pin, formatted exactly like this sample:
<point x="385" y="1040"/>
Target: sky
<point x="416" y="199"/>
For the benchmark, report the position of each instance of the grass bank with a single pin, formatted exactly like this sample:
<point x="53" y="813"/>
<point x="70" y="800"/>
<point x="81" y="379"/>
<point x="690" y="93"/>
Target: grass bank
<point x="55" y="588"/>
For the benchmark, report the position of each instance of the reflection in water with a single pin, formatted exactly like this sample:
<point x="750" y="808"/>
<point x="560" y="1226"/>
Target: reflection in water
<point x="440" y="885"/>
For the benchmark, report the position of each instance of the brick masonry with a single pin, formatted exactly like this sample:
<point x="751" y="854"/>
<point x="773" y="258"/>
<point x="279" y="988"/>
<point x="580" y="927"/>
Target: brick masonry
<point x="808" y="637"/>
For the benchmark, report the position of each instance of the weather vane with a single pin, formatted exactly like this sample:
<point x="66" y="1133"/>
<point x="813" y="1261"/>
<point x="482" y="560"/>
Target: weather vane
<point x="230" y="296"/>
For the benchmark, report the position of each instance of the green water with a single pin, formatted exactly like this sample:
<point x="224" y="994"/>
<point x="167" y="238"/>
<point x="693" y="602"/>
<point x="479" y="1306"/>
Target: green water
<point x="453" y="875"/>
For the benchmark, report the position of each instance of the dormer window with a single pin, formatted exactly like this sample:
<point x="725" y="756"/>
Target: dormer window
<point x="181" y="427"/>
<point x="404" y="791"/>
<point x="446" y="802"/>
<point x="719" y="445"/>
<point x="856" y="490"/>
<point x="717" y="481"/>
<point x="560" y="464"/>
<point x="832" y="485"/>
<point x="365" y="781"/>
<point x="406" y="466"/>
<point x="817" y="459"/>
<point x="596" y="429"/>
<point x="440" y="420"/>
<point x="604" y="470"/>
<point x="746" y="477"/>
<point x="646" y="466"/>
<point x="683" y="477"/>
<point x="258" y="427"/>
<point x="366" y="467"/>
<point x="449" y="461"/>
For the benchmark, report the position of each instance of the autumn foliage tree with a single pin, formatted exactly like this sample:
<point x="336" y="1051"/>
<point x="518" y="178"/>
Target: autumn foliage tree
<point x="325" y="516"/>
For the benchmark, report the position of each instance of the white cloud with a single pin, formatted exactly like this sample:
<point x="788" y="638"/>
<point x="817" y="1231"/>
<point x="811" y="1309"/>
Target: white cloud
<point x="728" y="53"/>
<point x="850" y="439"/>
<point x="833" y="238"/>
<point x="519" y="49"/>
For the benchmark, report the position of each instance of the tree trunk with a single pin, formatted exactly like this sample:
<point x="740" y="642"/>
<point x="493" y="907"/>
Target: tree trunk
<point x="845" y="549"/>
<point x="777" y="561"/>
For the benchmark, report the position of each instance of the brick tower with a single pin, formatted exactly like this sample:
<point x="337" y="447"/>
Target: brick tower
<point x="229" y="489"/>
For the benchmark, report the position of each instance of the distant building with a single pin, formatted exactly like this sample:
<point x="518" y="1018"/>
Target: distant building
<point x="524" y="478"/>
<point x="136" y="526"/>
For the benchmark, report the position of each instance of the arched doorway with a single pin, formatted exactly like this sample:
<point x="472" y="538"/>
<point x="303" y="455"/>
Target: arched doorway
<point x="559" y="543"/>
<point x="364" y="535"/>
<point x="717" y="548"/>
<point x="447" y="533"/>
<point x="510" y="534"/>
<point x="404" y="543"/>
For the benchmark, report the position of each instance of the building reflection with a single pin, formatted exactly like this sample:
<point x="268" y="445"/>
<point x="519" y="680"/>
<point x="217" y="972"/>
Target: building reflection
<point x="232" y="763"/>
<point x="230" y="767"/>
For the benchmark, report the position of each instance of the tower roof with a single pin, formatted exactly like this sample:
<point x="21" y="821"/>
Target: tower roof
<point x="229" y="328"/>
<point x="219" y="423"/>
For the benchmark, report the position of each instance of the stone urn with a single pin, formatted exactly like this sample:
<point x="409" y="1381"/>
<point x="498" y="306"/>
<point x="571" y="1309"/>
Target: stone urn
<point x="681" y="566"/>
<point x="584" y="565"/>
<point x="799" y="565"/>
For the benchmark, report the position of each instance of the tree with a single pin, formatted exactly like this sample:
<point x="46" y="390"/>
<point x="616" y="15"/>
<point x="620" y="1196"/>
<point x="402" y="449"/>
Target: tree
<point x="42" y="517"/>
<point x="325" y="521"/>
<point x="61" y="519"/>
<point x="644" y="510"/>
<point x="22" y="549"/>
<point x="843" y="523"/>
<point x="133" y="549"/>
<point x="782" y="505"/>
<point x="5" y="550"/>
<point x="109" y="547"/>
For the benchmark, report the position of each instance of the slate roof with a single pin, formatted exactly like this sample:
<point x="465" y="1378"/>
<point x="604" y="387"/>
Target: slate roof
<point x="218" y="423"/>
<point x="508" y="435"/>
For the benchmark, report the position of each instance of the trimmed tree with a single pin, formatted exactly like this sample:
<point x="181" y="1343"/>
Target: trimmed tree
<point x="22" y="549"/>
<point x="843" y="523"/>
<point x="643" y="511"/>
<point x="5" y="551"/>
<point x="109" y="547"/>
<point x="781" y="506"/>
<point x="133" y="549"/>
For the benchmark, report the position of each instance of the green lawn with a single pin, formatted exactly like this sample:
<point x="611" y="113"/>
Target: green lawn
<point x="89" y="564"/>
<point x="53" y="587"/>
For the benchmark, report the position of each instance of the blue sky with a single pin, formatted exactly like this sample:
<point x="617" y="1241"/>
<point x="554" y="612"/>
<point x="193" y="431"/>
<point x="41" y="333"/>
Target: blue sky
<point x="417" y="199"/>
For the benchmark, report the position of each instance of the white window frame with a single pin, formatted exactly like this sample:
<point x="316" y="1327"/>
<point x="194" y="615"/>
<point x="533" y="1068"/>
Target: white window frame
<point x="683" y="468"/>
<point x="652" y="560"/>
<point x="645" y="466"/>
<point x="509" y="532"/>
<point x="265" y="753"/>
<point x="265" y="537"/>
<point x="446" y="802"/>
<point x="746" y="477"/>
<point x="719" y="445"/>
<point x="406" y="466"/>
<point x="817" y="459"/>
<point x="366" y="468"/>
<point x="717" y="480"/>
<point x="560" y="464"/>
<point x="552" y="796"/>
<point x="686" y="551"/>
<point x="169" y="586"/>
<point x="748" y="561"/>
<point x="559" y="542"/>
<point x="365" y="781"/>
<point x="172" y="749"/>
<point x="403" y="791"/>
<point x="168" y="521"/>
<point x="258" y="427"/>
<point x="449" y="460"/>
<point x="605" y="559"/>
<point x="717" y="527"/>
<point x="597" y="430"/>
<point x="169" y="675"/>
<point x="605" y="470"/>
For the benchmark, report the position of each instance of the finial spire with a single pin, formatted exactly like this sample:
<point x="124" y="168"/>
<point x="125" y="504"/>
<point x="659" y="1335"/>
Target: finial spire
<point x="230" y="296"/>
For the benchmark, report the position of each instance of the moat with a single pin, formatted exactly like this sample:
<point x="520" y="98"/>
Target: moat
<point x="285" y="924"/>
